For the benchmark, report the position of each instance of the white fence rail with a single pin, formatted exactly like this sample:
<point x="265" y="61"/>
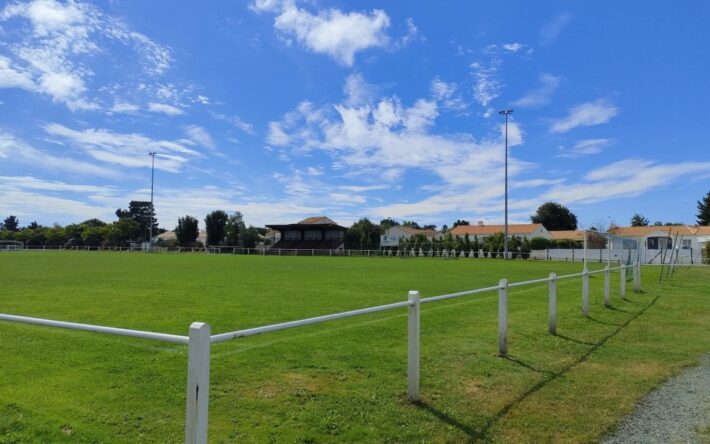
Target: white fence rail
<point x="200" y="338"/>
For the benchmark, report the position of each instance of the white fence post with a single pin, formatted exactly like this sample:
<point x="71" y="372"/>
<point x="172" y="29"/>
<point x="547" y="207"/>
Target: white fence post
<point x="552" y="324"/>
<point x="607" y="287"/>
<point x="503" y="317"/>
<point x="638" y="265"/>
<point x="413" y="347"/>
<point x="637" y="284"/>
<point x="585" y="292"/>
<point x="622" y="290"/>
<point x="198" y="384"/>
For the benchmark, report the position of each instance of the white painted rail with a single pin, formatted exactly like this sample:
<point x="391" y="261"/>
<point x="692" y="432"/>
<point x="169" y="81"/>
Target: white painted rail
<point x="97" y="329"/>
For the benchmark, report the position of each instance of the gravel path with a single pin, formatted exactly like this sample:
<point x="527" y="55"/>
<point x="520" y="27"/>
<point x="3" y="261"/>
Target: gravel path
<point x="673" y="413"/>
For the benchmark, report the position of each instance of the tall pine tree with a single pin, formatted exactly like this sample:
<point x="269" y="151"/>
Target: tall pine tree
<point x="704" y="210"/>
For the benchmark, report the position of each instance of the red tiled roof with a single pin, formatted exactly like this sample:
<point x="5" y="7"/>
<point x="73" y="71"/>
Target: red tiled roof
<point x="486" y="230"/>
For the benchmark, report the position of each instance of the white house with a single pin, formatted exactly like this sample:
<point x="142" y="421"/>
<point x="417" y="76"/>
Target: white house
<point x="688" y="240"/>
<point x="394" y="234"/>
<point x="482" y="231"/>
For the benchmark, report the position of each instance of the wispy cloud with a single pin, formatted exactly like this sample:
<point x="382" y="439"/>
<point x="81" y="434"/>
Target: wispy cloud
<point x="540" y="95"/>
<point x="584" y="148"/>
<point x="486" y="84"/>
<point x="552" y="29"/>
<point x="51" y="58"/>
<point x="127" y="150"/>
<point x="587" y="114"/>
<point x="235" y="121"/>
<point x="163" y="108"/>
<point x="14" y="151"/>
<point x="447" y="95"/>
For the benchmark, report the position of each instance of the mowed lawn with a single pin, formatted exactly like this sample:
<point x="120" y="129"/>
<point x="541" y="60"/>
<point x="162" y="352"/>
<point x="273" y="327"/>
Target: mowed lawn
<point x="339" y="381"/>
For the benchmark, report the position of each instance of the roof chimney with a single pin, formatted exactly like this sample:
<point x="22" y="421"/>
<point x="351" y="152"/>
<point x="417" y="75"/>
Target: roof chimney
<point x="480" y="223"/>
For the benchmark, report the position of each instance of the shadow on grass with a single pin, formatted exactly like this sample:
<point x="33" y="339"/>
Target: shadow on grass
<point x="522" y="363"/>
<point x="612" y="308"/>
<point x="483" y="433"/>
<point x="599" y="321"/>
<point x="577" y="341"/>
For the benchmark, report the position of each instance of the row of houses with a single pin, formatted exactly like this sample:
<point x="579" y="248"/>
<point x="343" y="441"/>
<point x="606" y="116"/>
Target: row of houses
<point x="687" y="237"/>
<point x="323" y="232"/>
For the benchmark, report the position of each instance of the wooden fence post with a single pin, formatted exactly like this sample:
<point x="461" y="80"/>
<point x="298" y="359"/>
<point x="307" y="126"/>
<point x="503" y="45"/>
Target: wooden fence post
<point x="198" y="384"/>
<point x="413" y="347"/>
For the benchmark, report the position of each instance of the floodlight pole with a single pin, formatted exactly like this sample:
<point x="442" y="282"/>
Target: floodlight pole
<point x="152" y="209"/>
<point x="506" y="113"/>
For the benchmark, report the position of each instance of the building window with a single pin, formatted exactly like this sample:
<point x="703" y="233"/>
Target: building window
<point x="685" y="244"/>
<point x="656" y="243"/>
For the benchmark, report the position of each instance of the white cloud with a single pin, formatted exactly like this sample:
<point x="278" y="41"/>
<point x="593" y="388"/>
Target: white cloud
<point x="584" y="148"/>
<point x="586" y="114"/>
<point x="15" y="151"/>
<point x="52" y="58"/>
<point x="164" y="108"/>
<point x="386" y="139"/>
<point x="128" y="150"/>
<point x="14" y="78"/>
<point x="486" y="85"/>
<point x="333" y="32"/>
<point x="626" y="178"/>
<point x="513" y="47"/>
<point x="338" y="34"/>
<point x="552" y="29"/>
<point x="447" y="95"/>
<point x="236" y="121"/>
<point x="540" y="95"/>
<point x="33" y="183"/>
<point x="123" y="107"/>
<point x="277" y="136"/>
<point x="200" y="135"/>
<point x="314" y="171"/>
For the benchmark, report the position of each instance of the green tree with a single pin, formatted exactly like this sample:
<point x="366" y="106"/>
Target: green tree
<point x="92" y="236"/>
<point x="388" y="223"/>
<point x="638" y="221"/>
<point x="142" y="212"/>
<point x="56" y="236"/>
<point x="363" y="235"/>
<point x="11" y="223"/>
<point x="235" y="229"/>
<point x="494" y="242"/>
<point x="704" y="211"/>
<point x="251" y="237"/>
<point x="554" y="216"/>
<point x="460" y="222"/>
<point x="215" y="225"/>
<point x="121" y="232"/>
<point x="187" y="230"/>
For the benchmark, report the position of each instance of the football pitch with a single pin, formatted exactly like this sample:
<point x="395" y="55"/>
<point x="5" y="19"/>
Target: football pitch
<point x="338" y="381"/>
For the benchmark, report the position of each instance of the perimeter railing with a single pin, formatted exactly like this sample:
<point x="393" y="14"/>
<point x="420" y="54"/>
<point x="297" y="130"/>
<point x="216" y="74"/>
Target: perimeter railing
<point x="200" y="338"/>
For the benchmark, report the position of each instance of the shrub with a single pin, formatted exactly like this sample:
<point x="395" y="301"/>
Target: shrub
<point x="539" y="243"/>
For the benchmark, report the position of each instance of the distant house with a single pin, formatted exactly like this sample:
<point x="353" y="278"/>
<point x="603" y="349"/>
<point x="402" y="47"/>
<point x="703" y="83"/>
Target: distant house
<point x="169" y="236"/>
<point x="313" y="233"/>
<point x="657" y="237"/>
<point x="567" y="235"/>
<point x="482" y="231"/>
<point x="392" y="235"/>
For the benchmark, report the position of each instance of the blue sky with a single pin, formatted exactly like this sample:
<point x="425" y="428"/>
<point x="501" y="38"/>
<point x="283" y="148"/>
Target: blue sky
<point x="283" y="109"/>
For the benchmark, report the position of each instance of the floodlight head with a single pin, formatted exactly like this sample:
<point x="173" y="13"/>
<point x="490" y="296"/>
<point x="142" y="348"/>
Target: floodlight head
<point x="505" y="112"/>
<point x="152" y="154"/>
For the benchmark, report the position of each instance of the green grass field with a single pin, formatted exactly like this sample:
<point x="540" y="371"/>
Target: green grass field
<point x="339" y="381"/>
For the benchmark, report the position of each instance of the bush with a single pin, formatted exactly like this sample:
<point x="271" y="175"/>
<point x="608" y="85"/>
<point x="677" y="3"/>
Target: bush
<point x="706" y="253"/>
<point x="539" y="243"/>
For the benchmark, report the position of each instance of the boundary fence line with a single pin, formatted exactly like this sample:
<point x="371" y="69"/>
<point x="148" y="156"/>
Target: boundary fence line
<point x="200" y="338"/>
